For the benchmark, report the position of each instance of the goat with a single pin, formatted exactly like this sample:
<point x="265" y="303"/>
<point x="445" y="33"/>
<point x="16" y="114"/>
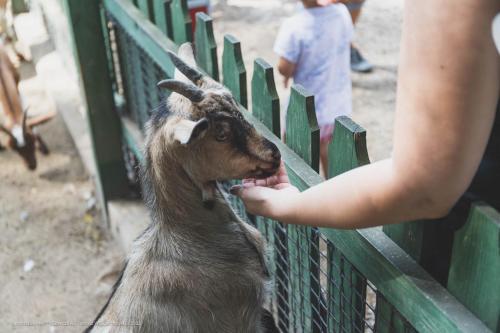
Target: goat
<point x="197" y="267"/>
<point x="21" y="130"/>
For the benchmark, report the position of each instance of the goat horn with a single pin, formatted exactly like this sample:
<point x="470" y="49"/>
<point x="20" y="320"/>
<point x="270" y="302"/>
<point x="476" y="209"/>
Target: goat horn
<point x="191" y="73"/>
<point x="191" y="92"/>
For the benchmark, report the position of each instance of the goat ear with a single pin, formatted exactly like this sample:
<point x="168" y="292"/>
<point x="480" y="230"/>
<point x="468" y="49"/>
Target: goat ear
<point x="41" y="119"/>
<point x="186" y="131"/>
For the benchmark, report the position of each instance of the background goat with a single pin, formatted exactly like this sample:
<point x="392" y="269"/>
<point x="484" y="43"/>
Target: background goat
<point x="197" y="267"/>
<point x="21" y="132"/>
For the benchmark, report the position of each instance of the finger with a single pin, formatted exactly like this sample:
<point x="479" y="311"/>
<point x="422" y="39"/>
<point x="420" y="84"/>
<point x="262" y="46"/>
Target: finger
<point x="248" y="181"/>
<point x="236" y="190"/>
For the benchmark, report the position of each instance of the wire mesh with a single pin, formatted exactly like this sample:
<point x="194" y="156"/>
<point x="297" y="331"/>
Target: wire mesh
<point x="315" y="287"/>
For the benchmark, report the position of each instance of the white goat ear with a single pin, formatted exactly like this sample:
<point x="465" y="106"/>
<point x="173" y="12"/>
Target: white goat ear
<point x="186" y="131"/>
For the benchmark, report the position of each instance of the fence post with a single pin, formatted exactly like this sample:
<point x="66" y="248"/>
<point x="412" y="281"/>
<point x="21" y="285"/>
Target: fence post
<point x="302" y="136"/>
<point x="19" y="6"/>
<point x="103" y="121"/>
<point x="233" y="69"/>
<point x="265" y="100"/>
<point x="347" y="287"/>
<point x="163" y="17"/>
<point x="205" y="46"/>
<point x="181" y="22"/>
<point x="266" y="107"/>
<point x="146" y="7"/>
<point x="474" y="277"/>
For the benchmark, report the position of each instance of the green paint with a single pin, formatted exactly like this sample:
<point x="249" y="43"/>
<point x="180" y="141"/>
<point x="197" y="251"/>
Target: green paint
<point x="302" y="131"/>
<point x="162" y="16"/>
<point x="146" y="7"/>
<point x="348" y="147"/>
<point x="302" y="136"/>
<point x="265" y="100"/>
<point x="206" y="48"/>
<point x="181" y="22"/>
<point x="475" y="266"/>
<point x="19" y="6"/>
<point x="92" y="63"/>
<point x="147" y="36"/>
<point x="348" y="151"/>
<point x="233" y="69"/>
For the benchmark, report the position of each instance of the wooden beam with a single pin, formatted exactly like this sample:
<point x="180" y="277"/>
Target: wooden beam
<point x="92" y="63"/>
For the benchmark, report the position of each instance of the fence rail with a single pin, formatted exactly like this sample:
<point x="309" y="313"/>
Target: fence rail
<point x="325" y="280"/>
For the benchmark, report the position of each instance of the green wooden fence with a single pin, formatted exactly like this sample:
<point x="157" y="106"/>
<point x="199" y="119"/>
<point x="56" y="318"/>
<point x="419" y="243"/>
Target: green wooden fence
<point x="325" y="280"/>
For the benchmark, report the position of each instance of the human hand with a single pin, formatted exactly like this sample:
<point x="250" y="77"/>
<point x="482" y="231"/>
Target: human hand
<point x="272" y="197"/>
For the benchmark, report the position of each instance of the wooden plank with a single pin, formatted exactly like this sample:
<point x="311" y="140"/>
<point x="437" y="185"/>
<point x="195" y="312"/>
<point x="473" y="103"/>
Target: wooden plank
<point x="205" y="46"/>
<point x="162" y="17"/>
<point x="475" y="266"/>
<point x="181" y="22"/>
<point x="19" y="6"/>
<point x="265" y="107"/>
<point x="146" y="7"/>
<point x="409" y="236"/>
<point x="348" y="148"/>
<point x="418" y="297"/>
<point x="265" y="100"/>
<point x="303" y="137"/>
<point x="91" y="59"/>
<point x="302" y="131"/>
<point x="147" y="36"/>
<point x="348" y="151"/>
<point x="333" y="272"/>
<point x="383" y="315"/>
<point x="233" y="69"/>
<point x="430" y="242"/>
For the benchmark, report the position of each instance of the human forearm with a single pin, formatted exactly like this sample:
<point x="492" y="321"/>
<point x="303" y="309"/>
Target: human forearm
<point x="364" y="197"/>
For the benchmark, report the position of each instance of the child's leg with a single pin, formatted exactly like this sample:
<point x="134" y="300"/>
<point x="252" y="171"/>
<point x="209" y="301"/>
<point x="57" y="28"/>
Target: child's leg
<point x="323" y="159"/>
<point x="326" y="137"/>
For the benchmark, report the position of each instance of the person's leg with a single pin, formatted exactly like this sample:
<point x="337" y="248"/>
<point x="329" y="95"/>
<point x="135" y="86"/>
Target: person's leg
<point x="358" y="62"/>
<point x="323" y="159"/>
<point x="325" y="138"/>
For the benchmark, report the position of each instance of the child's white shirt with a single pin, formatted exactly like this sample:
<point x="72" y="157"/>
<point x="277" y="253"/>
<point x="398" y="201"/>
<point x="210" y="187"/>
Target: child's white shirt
<point x="318" y="41"/>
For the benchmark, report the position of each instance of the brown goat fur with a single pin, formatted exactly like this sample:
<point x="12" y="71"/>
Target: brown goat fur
<point x="197" y="267"/>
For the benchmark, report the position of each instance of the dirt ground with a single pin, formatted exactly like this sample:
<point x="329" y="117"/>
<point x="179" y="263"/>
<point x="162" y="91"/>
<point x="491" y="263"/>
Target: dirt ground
<point x="44" y="215"/>
<point x="45" y="220"/>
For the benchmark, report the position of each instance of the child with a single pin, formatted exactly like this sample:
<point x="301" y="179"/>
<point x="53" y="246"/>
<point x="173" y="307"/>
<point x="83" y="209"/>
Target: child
<point x="314" y="49"/>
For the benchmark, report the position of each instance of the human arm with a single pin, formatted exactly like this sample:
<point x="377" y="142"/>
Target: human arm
<point x="448" y="89"/>
<point x="287" y="69"/>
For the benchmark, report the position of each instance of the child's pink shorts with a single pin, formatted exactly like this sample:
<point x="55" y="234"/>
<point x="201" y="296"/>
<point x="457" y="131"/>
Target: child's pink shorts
<point x="326" y="132"/>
